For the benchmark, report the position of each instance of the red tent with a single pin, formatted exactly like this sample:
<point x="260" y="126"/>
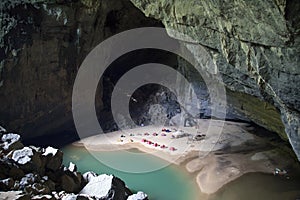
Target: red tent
<point x="172" y="148"/>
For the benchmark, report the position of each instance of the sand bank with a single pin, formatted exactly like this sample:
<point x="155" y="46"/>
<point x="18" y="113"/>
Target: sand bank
<point x="215" y="160"/>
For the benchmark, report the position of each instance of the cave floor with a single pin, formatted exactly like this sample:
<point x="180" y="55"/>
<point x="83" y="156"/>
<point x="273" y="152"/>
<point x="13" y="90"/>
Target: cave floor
<point x="217" y="159"/>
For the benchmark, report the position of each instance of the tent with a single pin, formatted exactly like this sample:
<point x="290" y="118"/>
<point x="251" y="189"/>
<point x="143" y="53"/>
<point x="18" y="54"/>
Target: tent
<point x="172" y="148"/>
<point x="179" y="134"/>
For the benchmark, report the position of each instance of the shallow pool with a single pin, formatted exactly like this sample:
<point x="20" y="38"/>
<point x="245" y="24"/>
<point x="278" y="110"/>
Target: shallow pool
<point x="174" y="183"/>
<point x="169" y="183"/>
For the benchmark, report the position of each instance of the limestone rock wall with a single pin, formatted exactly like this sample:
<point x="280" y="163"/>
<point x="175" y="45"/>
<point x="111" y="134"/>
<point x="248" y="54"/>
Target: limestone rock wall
<point x="255" y="45"/>
<point x="44" y="44"/>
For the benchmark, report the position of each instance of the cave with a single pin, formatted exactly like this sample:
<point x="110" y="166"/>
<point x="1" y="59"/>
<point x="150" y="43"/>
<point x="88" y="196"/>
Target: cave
<point x="202" y="95"/>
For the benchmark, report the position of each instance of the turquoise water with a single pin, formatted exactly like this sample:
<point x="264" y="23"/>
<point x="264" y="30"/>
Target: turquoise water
<point x="169" y="183"/>
<point x="173" y="183"/>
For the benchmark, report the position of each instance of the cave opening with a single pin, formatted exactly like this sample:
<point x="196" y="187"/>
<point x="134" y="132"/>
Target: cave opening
<point x="185" y="146"/>
<point x="145" y="98"/>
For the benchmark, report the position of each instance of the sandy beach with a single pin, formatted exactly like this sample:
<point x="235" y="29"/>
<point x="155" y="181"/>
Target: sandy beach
<point x="216" y="159"/>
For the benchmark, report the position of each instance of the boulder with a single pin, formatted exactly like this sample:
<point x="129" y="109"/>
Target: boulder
<point x="128" y="192"/>
<point x="16" y="195"/>
<point x="65" y="196"/>
<point x="29" y="160"/>
<point x="77" y="179"/>
<point x="50" y="151"/>
<point x="37" y="188"/>
<point x="37" y="163"/>
<point x="87" y="176"/>
<point x="5" y="166"/>
<point x="43" y="197"/>
<point x="70" y="183"/>
<point x="106" y="187"/>
<point x="37" y="172"/>
<point x="11" y="141"/>
<point x="6" y="184"/>
<point x="85" y="197"/>
<point x="54" y="158"/>
<point x="72" y="167"/>
<point x="69" y="197"/>
<point x="78" y="197"/>
<point x="22" y="156"/>
<point x="15" y="172"/>
<point x="48" y="182"/>
<point x="138" y="196"/>
<point x="28" y="180"/>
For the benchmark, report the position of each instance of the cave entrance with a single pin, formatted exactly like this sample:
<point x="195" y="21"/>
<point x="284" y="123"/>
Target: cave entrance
<point x="154" y="103"/>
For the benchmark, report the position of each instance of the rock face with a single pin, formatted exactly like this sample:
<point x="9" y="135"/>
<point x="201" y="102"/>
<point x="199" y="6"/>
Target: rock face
<point x="255" y="46"/>
<point x="42" y="51"/>
<point x="38" y="173"/>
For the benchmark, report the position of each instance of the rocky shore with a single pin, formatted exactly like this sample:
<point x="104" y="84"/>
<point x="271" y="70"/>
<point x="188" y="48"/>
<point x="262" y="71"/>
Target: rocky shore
<point x="30" y="172"/>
